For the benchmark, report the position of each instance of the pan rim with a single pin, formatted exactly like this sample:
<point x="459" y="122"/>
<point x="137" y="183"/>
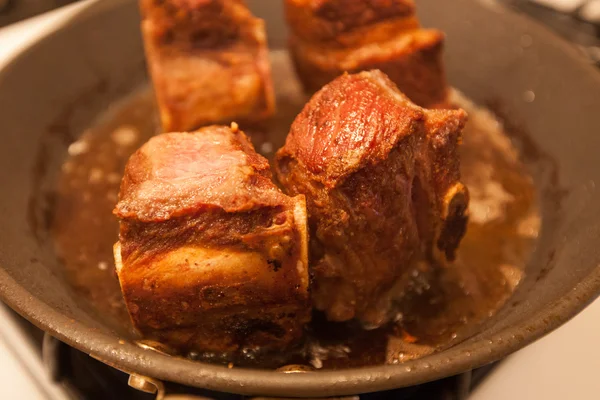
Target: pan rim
<point x="133" y="359"/>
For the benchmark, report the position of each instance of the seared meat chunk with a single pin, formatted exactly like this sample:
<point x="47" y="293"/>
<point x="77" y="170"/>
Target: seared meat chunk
<point x="209" y="62"/>
<point x="211" y="254"/>
<point x="382" y="182"/>
<point x="330" y="37"/>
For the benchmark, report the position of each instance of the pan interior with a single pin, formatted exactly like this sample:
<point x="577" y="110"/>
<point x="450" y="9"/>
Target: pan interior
<point x="441" y="307"/>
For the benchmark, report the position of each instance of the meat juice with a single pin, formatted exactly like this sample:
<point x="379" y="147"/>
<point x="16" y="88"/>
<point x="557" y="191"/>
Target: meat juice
<point x="441" y="307"/>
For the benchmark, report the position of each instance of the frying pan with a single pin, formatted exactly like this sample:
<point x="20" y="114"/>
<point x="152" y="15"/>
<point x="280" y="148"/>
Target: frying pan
<point x="51" y="92"/>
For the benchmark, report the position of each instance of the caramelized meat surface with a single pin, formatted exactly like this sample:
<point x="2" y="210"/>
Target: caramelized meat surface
<point x="208" y="60"/>
<point x="330" y="37"/>
<point x="212" y="256"/>
<point x="382" y="182"/>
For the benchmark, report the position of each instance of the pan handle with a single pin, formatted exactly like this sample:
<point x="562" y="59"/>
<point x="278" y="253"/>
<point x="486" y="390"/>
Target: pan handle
<point x="154" y="386"/>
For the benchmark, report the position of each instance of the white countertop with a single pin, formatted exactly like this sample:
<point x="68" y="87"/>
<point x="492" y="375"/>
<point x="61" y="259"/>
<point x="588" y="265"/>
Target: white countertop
<point x="563" y="365"/>
<point x="22" y="374"/>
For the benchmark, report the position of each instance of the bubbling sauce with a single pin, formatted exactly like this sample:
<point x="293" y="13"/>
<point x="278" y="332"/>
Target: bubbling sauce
<point x="439" y="310"/>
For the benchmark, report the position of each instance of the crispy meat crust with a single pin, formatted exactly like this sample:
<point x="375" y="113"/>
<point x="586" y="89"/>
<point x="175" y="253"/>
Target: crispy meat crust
<point x="209" y="62"/>
<point x="334" y="21"/>
<point x="330" y="37"/>
<point x="382" y="181"/>
<point x="211" y="255"/>
<point x="175" y="173"/>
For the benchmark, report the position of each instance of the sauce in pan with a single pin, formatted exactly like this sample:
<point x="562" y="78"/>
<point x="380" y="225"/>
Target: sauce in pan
<point x="439" y="311"/>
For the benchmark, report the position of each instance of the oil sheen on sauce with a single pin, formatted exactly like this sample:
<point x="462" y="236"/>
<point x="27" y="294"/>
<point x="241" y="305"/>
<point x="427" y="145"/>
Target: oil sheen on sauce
<point x="438" y="311"/>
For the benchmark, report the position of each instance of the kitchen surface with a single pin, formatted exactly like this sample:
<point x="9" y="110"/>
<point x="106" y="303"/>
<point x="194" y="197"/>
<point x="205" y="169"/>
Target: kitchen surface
<point x="562" y="365"/>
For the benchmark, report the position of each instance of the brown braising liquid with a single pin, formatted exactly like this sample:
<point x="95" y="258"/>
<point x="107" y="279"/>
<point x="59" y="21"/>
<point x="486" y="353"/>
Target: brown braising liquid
<point x="438" y="311"/>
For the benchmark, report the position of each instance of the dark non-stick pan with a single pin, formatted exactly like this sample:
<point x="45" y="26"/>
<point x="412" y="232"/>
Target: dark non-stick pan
<point x="543" y="90"/>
